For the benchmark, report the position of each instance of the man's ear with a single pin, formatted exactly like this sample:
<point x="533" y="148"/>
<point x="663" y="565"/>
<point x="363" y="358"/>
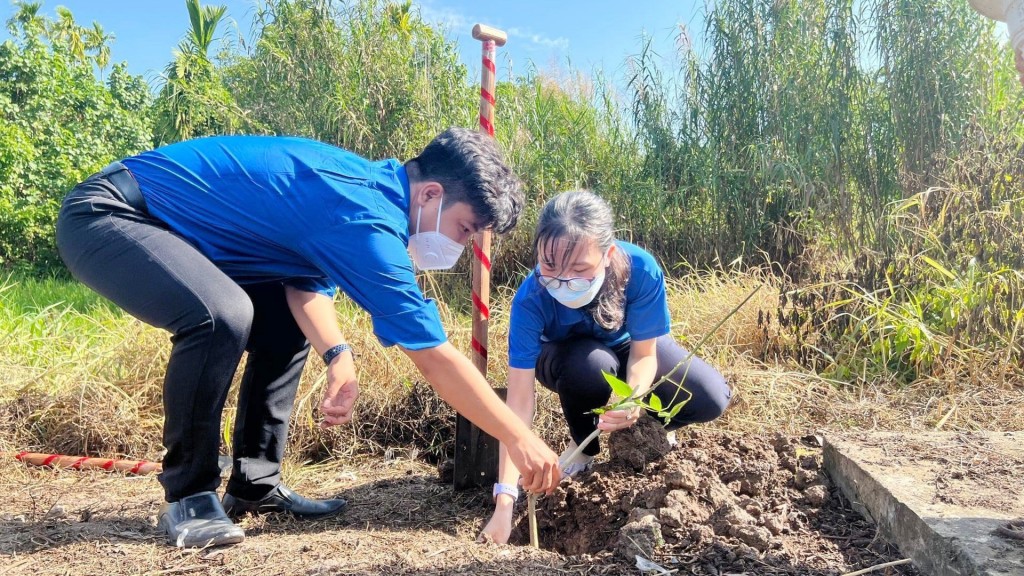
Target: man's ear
<point x="427" y="191"/>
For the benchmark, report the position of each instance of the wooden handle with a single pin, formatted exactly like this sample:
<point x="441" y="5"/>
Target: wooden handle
<point x="483" y="32"/>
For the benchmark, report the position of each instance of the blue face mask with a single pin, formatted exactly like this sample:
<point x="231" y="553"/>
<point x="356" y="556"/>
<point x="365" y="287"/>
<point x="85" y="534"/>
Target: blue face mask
<point x="573" y="299"/>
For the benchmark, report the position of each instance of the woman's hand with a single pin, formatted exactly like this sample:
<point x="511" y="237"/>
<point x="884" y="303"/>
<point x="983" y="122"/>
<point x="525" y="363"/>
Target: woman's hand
<point x="613" y="420"/>
<point x="342" y="390"/>
<point x="641" y="369"/>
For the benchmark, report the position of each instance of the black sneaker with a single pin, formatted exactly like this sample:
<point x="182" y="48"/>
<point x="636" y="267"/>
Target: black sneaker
<point x="281" y="499"/>
<point x="198" y="520"/>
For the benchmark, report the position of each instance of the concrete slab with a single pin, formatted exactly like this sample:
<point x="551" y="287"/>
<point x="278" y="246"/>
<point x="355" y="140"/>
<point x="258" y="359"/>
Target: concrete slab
<point x="938" y="496"/>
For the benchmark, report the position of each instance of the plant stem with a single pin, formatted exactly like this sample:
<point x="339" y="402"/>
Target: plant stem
<point x="534" y="536"/>
<point x="584" y="444"/>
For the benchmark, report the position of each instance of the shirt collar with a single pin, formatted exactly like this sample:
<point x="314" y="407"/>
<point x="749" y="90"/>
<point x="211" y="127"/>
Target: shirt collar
<point x="403" y="179"/>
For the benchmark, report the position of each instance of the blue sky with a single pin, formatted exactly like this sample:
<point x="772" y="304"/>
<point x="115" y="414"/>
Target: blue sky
<point x="588" y="33"/>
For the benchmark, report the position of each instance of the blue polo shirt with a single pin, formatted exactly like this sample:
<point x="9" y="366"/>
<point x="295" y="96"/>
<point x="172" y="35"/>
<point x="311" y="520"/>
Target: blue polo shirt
<point x="536" y="317"/>
<point x="302" y="212"/>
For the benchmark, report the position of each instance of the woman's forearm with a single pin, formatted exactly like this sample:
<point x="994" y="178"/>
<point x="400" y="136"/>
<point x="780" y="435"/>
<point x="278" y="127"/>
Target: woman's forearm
<point x="642" y="366"/>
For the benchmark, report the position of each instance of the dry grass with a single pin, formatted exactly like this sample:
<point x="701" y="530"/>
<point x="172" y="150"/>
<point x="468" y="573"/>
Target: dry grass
<point x="102" y="397"/>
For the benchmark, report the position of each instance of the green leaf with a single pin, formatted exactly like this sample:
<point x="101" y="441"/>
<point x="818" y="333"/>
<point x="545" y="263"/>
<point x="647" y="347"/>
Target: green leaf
<point x="655" y="402"/>
<point x="618" y="386"/>
<point x="675" y="409"/>
<point x="942" y="269"/>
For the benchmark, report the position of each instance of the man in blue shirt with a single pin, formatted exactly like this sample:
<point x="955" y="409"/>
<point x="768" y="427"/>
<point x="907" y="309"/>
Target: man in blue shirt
<point x="236" y="244"/>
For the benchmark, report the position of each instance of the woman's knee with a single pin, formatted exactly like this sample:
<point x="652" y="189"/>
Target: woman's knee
<point x="583" y="372"/>
<point x="718" y="396"/>
<point x="705" y="399"/>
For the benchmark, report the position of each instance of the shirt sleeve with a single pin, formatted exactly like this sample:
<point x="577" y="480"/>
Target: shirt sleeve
<point x="526" y="327"/>
<point x="319" y="285"/>
<point x="647" y="313"/>
<point x="369" y="262"/>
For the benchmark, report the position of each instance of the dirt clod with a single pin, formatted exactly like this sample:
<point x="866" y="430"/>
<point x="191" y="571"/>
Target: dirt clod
<point x="816" y="495"/>
<point x="642" y="536"/>
<point x="639" y="445"/>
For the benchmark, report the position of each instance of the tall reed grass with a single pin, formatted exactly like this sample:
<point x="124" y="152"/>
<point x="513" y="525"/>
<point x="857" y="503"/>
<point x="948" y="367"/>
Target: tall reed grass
<point x="867" y="155"/>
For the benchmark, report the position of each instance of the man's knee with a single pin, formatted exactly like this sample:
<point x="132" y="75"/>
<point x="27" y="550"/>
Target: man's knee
<point x="225" y="319"/>
<point x="232" y="318"/>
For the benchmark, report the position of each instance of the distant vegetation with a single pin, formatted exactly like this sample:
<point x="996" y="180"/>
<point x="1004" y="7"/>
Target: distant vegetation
<point x="865" y="156"/>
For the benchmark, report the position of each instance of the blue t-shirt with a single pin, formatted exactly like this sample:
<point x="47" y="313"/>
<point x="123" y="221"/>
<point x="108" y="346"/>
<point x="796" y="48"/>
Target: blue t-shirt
<point x="536" y="317"/>
<point x="298" y="211"/>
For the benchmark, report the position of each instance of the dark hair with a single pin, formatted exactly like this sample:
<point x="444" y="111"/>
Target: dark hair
<point x="471" y="168"/>
<point x="577" y="217"/>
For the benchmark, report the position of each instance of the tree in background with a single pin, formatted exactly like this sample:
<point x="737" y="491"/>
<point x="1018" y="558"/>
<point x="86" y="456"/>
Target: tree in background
<point x="193" y="100"/>
<point x="58" y="123"/>
<point x="369" y="76"/>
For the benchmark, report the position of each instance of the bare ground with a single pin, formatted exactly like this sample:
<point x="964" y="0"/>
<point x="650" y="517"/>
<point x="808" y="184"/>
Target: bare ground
<point x="716" y="504"/>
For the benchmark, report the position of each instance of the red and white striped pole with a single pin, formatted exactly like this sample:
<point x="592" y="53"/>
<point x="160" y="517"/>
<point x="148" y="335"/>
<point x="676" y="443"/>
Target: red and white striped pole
<point x="476" y="453"/>
<point x="491" y="38"/>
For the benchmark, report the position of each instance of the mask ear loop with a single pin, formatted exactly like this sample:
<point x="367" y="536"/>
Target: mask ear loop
<point x="440" y="205"/>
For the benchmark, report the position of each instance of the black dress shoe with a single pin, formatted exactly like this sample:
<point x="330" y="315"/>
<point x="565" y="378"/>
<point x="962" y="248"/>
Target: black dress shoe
<point x="281" y="499"/>
<point x="196" y="521"/>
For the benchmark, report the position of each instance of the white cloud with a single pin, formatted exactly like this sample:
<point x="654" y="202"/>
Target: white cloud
<point x="560" y="43"/>
<point x="460" y="23"/>
<point x="451" y="20"/>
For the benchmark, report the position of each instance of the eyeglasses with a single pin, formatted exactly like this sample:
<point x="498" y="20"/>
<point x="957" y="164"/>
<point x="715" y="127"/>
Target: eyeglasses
<point x="574" y="284"/>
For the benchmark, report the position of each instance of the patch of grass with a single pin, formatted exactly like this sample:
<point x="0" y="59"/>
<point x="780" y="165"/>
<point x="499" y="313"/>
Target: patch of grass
<point x="91" y="383"/>
<point x="25" y="294"/>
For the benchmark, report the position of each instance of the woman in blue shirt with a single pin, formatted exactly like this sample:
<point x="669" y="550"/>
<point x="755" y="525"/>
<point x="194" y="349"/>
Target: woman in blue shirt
<point x="594" y="304"/>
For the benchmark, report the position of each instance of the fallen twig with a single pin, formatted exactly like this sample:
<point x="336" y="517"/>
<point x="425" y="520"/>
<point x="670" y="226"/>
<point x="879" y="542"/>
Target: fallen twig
<point x="879" y="567"/>
<point x="177" y="570"/>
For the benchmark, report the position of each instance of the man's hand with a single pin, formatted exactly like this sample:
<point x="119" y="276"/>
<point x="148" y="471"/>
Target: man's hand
<point x="460" y="384"/>
<point x="342" y="391"/>
<point x="537" y="464"/>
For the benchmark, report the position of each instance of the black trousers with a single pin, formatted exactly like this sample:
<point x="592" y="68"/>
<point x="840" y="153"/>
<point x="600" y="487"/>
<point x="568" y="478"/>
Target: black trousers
<point x="573" y="370"/>
<point x="111" y="244"/>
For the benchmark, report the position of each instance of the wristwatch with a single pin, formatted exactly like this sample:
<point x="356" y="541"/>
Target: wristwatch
<point x="333" y="353"/>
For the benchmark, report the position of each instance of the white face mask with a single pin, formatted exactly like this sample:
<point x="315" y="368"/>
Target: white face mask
<point x="433" y="250"/>
<point x="573" y="299"/>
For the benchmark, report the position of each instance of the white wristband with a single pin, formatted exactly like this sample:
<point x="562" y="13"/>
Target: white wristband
<point x="510" y="489"/>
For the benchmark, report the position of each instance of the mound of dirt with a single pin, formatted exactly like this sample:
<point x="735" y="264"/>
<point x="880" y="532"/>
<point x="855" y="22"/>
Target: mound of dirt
<point x="713" y="504"/>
